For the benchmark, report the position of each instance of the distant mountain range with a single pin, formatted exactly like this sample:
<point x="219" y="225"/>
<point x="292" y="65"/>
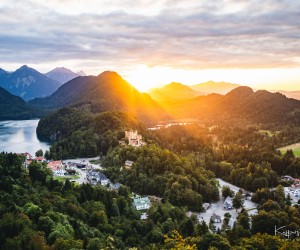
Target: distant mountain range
<point x="177" y="91"/>
<point x="109" y="91"/>
<point x="105" y="92"/>
<point x="14" y="108"/>
<point x="173" y="92"/>
<point x="27" y="83"/>
<point x="214" y="87"/>
<point x="63" y="75"/>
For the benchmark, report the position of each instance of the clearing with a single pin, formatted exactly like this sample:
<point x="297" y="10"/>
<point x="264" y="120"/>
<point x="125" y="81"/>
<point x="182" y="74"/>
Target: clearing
<point x="295" y="147"/>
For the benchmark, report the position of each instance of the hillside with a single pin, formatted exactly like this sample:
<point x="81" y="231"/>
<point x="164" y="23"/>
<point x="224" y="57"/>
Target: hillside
<point x="13" y="107"/>
<point x="62" y="75"/>
<point x="177" y="91"/>
<point x="2" y="72"/>
<point x="173" y="92"/>
<point x="105" y="92"/>
<point x="28" y="83"/>
<point x="260" y="106"/>
<point x="241" y="103"/>
<point x="81" y="134"/>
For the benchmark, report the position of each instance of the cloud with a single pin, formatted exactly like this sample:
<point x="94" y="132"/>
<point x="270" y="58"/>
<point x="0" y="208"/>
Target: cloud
<point x="184" y="34"/>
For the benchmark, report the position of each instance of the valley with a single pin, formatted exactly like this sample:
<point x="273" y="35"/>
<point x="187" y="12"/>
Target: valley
<point x="190" y="173"/>
<point x="149" y="125"/>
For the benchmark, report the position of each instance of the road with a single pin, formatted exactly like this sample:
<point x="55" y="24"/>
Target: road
<point x="217" y="207"/>
<point x="82" y="173"/>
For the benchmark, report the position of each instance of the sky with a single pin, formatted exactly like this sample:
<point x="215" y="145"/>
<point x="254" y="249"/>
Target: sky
<point x="150" y="43"/>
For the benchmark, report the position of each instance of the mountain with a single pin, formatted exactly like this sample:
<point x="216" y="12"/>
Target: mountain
<point x="14" y="108"/>
<point x="2" y="72"/>
<point x="105" y="92"/>
<point x="242" y="103"/>
<point x="173" y="92"/>
<point x="177" y="91"/>
<point x="214" y="87"/>
<point x="28" y="83"/>
<point x="62" y="74"/>
<point x="81" y="73"/>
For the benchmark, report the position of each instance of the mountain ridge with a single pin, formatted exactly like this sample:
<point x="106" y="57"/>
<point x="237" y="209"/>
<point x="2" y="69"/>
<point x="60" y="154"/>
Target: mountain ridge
<point x="28" y="83"/>
<point x="106" y="92"/>
<point x="13" y="107"/>
<point x="214" y="87"/>
<point x="62" y="74"/>
<point x="241" y="103"/>
<point x="172" y="92"/>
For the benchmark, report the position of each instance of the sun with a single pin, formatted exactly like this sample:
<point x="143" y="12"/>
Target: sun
<point x="144" y="78"/>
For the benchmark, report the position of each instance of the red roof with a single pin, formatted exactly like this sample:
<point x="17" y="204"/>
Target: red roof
<point x="54" y="165"/>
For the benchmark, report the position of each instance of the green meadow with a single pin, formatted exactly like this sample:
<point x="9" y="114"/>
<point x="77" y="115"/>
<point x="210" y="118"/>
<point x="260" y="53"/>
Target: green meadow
<point x="295" y="147"/>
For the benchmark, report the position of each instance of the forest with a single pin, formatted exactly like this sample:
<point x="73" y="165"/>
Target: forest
<point x="177" y="164"/>
<point x="38" y="212"/>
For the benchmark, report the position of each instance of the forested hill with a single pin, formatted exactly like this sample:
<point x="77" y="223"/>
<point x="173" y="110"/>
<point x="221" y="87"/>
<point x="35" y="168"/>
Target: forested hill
<point x="105" y="92"/>
<point x="14" y="108"/>
<point x="241" y="103"/>
<point x="80" y="133"/>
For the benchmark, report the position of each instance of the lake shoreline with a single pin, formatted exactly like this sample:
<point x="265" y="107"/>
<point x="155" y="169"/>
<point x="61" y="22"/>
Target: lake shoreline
<point x="19" y="136"/>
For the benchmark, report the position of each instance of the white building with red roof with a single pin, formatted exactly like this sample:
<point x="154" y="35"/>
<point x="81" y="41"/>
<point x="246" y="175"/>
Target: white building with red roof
<point x="57" y="167"/>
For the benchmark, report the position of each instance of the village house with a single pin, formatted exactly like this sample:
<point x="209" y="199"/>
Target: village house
<point x="141" y="203"/>
<point x="57" y="167"/>
<point x="28" y="157"/>
<point x="40" y="159"/>
<point x="95" y="177"/>
<point x="215" y="218"/>
<point x="227" y="203"/>
<point x="296" y="183"/>
<point x="127" y="165"/>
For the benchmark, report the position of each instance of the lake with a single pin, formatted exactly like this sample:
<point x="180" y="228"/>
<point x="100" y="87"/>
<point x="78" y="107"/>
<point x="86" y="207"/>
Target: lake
<point x="20" y="137"/>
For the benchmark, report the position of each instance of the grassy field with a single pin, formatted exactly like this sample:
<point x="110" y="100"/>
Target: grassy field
<point x="63" y="178"/>
<point x="95" y="161"/>
<point x="295" y="147"/>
